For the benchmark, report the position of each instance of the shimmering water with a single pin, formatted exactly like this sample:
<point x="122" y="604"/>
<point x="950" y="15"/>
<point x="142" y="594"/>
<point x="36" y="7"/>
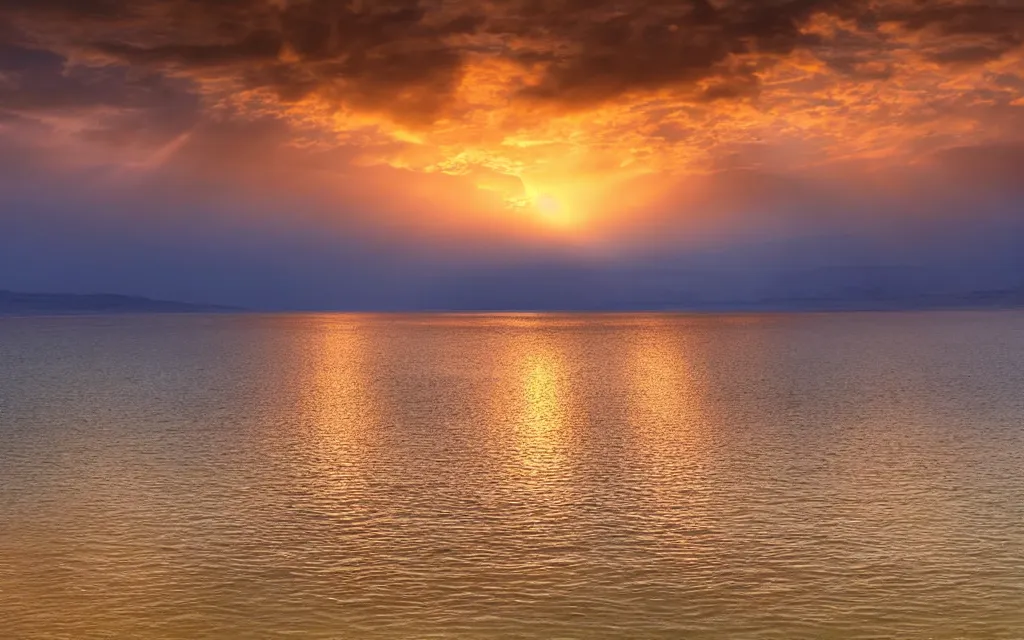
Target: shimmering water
<point x="817" y="476"/>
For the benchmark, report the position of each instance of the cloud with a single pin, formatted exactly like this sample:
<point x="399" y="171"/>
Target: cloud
<point x="496" y="103"/>
<point x="406" y="58"/>
<point x="999" y="166"/>
<point x="609" y="51"/>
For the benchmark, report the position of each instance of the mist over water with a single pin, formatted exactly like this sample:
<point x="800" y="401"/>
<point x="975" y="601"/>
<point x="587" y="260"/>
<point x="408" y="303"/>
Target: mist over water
<point x="521" y="476"/>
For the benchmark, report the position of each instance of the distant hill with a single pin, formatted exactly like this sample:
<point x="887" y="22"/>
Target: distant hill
<point x="882" y="301"/>
<point x="17" y="303"/>
<point x="841" y="299"/>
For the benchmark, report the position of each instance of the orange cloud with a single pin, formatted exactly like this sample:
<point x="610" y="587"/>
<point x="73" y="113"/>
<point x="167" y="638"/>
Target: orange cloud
<point x="554" y="110"/>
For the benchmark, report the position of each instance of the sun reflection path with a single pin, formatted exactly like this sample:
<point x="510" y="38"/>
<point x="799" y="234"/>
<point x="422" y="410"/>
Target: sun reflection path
<point x="534" y="402"/>
<point x="543" y="415"/>
<point x="338" y="401"/>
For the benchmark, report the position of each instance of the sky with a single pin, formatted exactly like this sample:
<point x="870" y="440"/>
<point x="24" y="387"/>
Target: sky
<point x="479" y="154"/>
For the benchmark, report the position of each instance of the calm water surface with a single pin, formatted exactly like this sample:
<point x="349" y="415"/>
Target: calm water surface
<point x="521" y="476"/>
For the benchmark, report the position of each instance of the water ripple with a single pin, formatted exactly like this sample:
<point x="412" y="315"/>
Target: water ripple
<point x="831" y="476"/>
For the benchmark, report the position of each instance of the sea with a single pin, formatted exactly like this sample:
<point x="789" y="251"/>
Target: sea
<point x="335" y="476"/>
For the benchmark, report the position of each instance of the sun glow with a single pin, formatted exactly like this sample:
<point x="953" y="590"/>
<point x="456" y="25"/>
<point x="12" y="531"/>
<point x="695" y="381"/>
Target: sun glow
<point x="490" y="115"/>
<point x="559" y="205"/>
<point x="549" y="205"/>
<point x="552" y="211"/>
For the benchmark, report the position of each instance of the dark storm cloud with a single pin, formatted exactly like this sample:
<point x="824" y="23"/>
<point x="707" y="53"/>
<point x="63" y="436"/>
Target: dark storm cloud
<point x="993" y="27"/>
<point x="40" y="80"/>
<point x="615" y="48"/>
<point x="113" y="106"/>
<point x="970" y="54"/>
<point x="254" y="47"/>
<point x="388" y="55"/>
<point x="406" y="57"/>
<point x="974" y="17"/>
<point x="91" y="9"/>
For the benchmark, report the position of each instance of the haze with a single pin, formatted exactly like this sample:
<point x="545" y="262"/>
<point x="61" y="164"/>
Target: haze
<point x="464" y="154"/>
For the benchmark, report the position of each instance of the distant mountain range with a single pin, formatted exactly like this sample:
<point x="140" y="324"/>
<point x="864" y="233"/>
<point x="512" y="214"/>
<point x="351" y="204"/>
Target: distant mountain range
<point x="882" y="301"/>
<point x="17" y="303"/>
<point x="843" y="299"/>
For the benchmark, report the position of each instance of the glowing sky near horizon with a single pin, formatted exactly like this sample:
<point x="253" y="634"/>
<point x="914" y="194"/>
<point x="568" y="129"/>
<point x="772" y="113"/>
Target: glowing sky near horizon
<point x="576" y="119"/>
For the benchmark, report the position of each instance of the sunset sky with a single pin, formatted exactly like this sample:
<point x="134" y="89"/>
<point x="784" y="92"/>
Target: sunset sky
<point x="509" y="153"/>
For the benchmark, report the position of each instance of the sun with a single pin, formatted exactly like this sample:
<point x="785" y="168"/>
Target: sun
<point x="552" y="210"/>
<point x="549" y="205"/>
<point x="553" y="207"/>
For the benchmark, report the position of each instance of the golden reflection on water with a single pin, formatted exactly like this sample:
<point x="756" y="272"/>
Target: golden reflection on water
<point x="337" y="401"/>
<point x="534" y="477"/>
<point x="337" y="392"/>
<point x="542" y="413"/>
<point x="530" y="402"/>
